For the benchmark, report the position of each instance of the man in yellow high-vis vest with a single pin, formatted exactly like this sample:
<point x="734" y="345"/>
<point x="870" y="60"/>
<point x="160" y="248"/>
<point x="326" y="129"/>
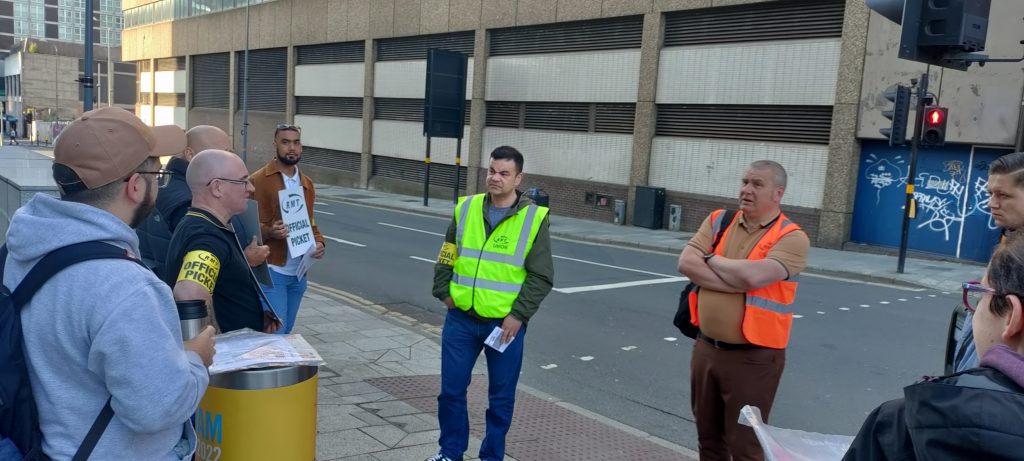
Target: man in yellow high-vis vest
<point x="493" y="271"/>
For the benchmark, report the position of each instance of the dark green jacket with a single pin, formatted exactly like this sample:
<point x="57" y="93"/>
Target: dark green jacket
<point x="540" y="270"/>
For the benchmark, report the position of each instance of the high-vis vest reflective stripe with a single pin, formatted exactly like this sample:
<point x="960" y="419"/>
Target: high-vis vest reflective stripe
<point x="768" y="318"/>
<point x="490" y="270"/>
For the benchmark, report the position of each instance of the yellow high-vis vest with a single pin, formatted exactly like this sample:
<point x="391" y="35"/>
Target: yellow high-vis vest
<point x="490" y="270"/>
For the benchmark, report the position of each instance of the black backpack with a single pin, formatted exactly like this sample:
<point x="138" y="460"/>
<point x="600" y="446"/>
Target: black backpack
<point x="19" y="418"/>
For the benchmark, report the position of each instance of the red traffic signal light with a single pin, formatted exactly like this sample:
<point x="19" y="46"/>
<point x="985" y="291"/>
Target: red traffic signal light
<point x="934" y="129"/>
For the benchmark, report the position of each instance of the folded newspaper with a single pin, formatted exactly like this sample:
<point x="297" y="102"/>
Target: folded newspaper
<point x="246" y="348"/>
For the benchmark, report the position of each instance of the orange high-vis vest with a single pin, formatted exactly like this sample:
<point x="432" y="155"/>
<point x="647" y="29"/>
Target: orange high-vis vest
<point x="768" y="318"/>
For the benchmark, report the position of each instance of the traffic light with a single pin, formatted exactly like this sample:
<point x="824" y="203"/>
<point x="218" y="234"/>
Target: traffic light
<point x="899" y="114"/>
<point x="935" y="31"/>
<point x="933" y="133"/>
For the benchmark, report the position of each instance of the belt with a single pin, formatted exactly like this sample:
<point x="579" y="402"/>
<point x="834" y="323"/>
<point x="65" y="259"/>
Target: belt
<point x="722" y="345"/>
<point x="471" y="313"/>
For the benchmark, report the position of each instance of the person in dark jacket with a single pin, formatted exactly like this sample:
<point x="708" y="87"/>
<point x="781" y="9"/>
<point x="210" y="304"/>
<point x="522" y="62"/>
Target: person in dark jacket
<point x="173" y="201"/>
<point x="977" y="414"/>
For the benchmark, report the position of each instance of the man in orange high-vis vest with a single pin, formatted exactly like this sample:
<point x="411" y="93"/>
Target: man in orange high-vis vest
<point x="743" y="306"/>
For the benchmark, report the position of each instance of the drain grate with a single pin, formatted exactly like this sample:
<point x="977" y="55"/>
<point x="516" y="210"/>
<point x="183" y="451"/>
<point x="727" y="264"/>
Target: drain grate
<point x="540" y="430"/>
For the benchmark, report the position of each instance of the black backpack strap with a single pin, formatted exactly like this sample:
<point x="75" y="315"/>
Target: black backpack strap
<point x="95" y="432"/>
<point x="726" y="221"/>
<point x="3" y="262"/>
<point x="59" y="259"/>
<point x="54" y="262"/>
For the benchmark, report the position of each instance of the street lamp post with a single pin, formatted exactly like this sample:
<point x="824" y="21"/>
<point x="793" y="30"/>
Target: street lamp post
<point x="56" y="78"/>
<point x="245" y="91"/>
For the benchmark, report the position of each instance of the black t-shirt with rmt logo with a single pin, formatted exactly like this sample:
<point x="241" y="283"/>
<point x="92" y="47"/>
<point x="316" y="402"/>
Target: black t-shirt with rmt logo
<point x="205" y="251"/>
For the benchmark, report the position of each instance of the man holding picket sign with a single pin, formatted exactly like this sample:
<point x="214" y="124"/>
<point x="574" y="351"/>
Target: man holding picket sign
<point x="286" y="198"/>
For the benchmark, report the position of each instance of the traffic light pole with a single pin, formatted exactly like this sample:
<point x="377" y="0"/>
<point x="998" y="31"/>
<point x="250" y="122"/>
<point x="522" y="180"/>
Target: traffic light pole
<point x="909" y="205"/>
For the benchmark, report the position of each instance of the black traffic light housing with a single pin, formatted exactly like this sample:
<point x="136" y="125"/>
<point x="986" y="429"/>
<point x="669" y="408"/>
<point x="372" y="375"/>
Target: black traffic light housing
<point x="899" y="114"/>
<point x="938" y="32"/>
<point x="933" y="132"/>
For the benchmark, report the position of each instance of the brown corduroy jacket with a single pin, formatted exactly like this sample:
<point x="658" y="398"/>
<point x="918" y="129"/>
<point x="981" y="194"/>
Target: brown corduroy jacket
<point x="268" y="181"/>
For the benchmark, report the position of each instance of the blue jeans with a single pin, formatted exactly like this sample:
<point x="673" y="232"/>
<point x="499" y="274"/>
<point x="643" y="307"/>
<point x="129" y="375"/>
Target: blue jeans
<point x="285" y="298"/>
<point x="461" y="341"/>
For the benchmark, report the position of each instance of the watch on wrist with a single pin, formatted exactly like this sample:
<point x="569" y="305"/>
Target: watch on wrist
<point x="708" y="256"/>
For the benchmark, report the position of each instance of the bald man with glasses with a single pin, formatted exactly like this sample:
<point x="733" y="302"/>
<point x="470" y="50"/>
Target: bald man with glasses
<point x="206" y="260"/>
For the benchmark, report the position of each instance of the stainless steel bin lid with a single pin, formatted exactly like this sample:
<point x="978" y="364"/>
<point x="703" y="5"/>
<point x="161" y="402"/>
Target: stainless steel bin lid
<point x="263" y="378"/>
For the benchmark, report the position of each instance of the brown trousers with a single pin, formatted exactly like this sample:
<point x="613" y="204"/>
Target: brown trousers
<point x="722" y="382"/>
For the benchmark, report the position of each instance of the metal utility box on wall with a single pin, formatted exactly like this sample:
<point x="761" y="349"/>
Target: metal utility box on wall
<point x="620" y="213"/>
<point x="649" y="207"/>
<point x="675" y="217"/>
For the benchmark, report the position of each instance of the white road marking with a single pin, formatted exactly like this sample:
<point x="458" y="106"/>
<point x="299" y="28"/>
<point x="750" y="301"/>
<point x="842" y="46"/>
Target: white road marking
<point x="844" y="308"/>
<point x="628" y="348"/>
<point x="931" y="296"/>
<point x="548" y="367"/>
<point x="670" y="339"/>
<point x="945" y="292"/>
<point x="883" y="302"/>
<point x="797" y="316"/>
<point x="320" y="204"/>
<point x="865" y="305"/>
<point x="410" y="229"/>
<point x="323" y="212"/>
<point x="431" y="261"/>
<point x="917" y="297"/>
<point x="346" y="242"/>
<point x="877" y="284"/>
<point x="612" y="286"/>
<point x="584" y="261"/>
<point x="586" y="358"/>
<point x="902" y="299"/>
<point x="820" y="312"/>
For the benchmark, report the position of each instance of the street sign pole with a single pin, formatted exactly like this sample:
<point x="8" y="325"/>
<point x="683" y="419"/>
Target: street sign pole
<point x="426" y="175"/>
<point x="909" y="207"/>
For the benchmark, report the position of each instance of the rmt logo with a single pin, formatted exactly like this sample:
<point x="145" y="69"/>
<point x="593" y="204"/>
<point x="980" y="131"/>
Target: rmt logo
<point x="501" y="242"/>
<point x="293" y="204"/>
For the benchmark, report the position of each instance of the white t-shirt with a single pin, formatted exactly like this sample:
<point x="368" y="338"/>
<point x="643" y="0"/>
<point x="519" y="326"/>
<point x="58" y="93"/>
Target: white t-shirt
<point x="292" y="264"/>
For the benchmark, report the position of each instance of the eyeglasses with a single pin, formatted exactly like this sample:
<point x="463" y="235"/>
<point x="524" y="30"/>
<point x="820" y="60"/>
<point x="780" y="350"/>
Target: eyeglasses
<point x="973" y="292"/>
<point x="243" y="182"/>
<point x="287" y="127"/>
<point x="163" y="177"/>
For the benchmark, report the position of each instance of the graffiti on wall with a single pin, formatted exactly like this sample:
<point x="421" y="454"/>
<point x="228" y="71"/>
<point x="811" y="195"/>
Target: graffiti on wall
<point x="950" y="194"/>
<point x="940" y="198"/>
<point x="881" y="173"/>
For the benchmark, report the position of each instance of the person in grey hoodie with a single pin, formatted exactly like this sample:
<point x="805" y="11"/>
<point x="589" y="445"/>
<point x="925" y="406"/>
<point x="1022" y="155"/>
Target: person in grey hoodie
<point x="105" y="328"/>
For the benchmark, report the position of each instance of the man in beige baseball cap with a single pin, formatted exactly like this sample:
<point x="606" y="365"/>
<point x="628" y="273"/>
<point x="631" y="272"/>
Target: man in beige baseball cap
<point x="104" y="333"/>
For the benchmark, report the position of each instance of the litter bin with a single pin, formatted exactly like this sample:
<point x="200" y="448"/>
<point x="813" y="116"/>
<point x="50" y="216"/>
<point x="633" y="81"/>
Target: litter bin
<point x="259" y="414"/>
<point x="538" y="196"/>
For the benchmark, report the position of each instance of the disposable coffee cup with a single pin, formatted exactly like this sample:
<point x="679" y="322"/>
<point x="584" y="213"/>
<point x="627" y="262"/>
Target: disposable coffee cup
<point x="193" y="316"/>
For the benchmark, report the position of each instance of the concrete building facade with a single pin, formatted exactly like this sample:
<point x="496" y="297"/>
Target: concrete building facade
<point x="41" y="78"/>
<point x="41" y="44"/>
<point x="604" y="97"/>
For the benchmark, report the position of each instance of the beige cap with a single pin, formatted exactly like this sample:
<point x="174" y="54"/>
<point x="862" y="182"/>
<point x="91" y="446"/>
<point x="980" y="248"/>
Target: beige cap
<point x="107" y="144"/>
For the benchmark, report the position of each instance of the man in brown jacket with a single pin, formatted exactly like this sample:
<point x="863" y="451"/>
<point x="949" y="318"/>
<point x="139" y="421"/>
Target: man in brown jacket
<point x="282" y="172"/>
